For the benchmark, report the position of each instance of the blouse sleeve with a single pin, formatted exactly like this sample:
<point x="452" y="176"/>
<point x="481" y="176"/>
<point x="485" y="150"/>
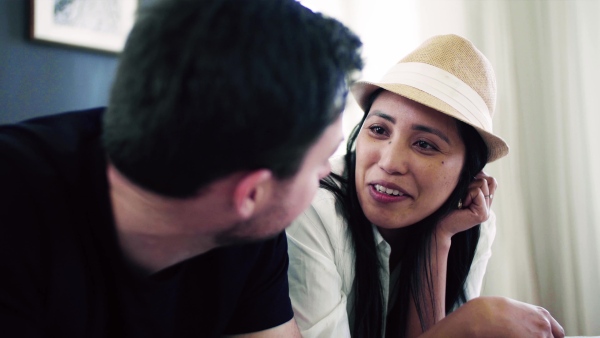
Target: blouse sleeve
<point x="316" y="286"/>
<point x="483" y="252"/>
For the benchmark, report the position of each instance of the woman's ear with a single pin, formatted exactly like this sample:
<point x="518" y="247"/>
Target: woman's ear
<point x="251" y="190"/>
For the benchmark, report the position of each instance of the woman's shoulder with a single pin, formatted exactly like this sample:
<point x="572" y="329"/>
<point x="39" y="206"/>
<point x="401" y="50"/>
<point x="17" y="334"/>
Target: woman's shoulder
<point x="487" y="231"/>
<point x="321" y="216"/>
<point x="338" y="164"/>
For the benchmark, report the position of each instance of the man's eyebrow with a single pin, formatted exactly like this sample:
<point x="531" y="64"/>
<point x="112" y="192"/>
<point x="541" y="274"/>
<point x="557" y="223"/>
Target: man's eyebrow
<point x="382" y="115"/>
<point x="434" y="131"/>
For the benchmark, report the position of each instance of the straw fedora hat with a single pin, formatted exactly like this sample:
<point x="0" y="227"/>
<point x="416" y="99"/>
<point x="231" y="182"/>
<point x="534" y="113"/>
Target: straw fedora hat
<point x="449" y="74"/>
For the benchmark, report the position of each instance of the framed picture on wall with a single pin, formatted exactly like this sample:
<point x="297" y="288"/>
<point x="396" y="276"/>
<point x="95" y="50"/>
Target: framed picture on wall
<point x="92" y="24"/>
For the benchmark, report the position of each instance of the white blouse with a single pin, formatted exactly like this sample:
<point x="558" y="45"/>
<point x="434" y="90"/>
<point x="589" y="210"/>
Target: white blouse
<point x="321" y="270"/>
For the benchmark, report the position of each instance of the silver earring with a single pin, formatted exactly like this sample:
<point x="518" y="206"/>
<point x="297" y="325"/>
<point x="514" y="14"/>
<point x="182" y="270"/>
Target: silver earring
<point x="460" y="203"/>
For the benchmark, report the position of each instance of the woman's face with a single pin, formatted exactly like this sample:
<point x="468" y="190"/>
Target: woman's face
<point x="408" y="161"/>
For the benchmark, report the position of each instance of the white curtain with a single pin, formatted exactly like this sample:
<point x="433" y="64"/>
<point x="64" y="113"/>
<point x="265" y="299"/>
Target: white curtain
<point x="547" y="59"/>
<point x="546" y="54"/>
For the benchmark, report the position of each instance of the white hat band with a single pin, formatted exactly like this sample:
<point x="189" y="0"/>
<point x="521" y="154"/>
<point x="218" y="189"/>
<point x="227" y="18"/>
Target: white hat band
<point x="444" y="86"/>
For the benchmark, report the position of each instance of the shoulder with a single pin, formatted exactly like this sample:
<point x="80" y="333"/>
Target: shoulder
<point x="338" y="164"/>
<point x="44" y="216"/>
<point x="51" y="159"/>
<point x="483" y="252"/>
<point x="45" y="205"/>
<point x="242" y="267"/>
<point x="320" y="234"/>
<point x="487" y="233"/>
<point x="321" y="219"/>
<point x="248" y="282"/>
<point x="263" y="258"/>
<point x="45" y="129"/>
<point x="46" y="142"/>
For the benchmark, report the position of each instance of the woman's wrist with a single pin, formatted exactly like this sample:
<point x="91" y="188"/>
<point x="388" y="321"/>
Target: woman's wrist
<point x="442" y="239"/>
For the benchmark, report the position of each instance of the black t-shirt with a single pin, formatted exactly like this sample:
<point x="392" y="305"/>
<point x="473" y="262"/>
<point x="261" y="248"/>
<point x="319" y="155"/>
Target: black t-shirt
<point x="63" y="274"/>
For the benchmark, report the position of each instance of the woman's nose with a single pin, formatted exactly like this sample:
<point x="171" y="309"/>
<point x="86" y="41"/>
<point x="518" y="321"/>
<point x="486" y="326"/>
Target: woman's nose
<point x="393" y="159"/>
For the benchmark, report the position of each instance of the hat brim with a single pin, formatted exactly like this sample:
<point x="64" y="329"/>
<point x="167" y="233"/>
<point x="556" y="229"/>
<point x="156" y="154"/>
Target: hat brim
<point x="361" y="91"/>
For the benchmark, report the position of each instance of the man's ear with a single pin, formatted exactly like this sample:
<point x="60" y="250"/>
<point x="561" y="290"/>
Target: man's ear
<point x="250" y="191"/>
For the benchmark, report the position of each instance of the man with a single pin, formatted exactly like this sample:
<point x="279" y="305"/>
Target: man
<point x="163" y="216"/>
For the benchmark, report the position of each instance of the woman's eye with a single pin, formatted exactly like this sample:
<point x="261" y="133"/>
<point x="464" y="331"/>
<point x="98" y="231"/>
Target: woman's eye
<point x="377" y="130"/>
<point x="425" y="145"/>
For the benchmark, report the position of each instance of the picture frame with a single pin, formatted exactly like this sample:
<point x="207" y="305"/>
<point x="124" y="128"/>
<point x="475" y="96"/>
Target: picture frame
<point x="91" y="24"/>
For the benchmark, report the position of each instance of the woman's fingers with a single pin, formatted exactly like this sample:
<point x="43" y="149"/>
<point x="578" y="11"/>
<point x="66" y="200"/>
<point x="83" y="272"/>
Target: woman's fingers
<point x="477" y="198"/>
<point x="491" y="183"/>
<point x="505" y="317"/>
<point x="481" y="190"/>
<point x="475" y="207"/>
<point x="465" y="218"/>
<point x="557" y="329"/>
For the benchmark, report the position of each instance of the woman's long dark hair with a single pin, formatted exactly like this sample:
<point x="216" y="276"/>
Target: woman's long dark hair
<point x="368" y="309"/>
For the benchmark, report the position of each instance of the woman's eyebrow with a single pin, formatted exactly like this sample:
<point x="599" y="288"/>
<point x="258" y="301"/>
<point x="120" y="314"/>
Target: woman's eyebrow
<point x="439" y="133"/>
<point x="382" y="115"/>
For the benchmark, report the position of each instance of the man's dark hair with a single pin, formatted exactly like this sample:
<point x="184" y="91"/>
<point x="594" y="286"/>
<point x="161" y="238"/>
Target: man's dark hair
<point x="206" y="88"/>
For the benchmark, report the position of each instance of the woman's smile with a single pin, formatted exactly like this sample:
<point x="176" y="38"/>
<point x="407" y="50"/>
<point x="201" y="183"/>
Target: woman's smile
<point x="384" y="192"/>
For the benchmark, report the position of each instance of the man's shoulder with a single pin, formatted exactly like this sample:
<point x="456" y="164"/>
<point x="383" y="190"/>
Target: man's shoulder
<point x="50" y="147"/>
<point x="53" y="130"/>
<point x="86" y="118"/>
<point x="246" y="283"/>
<point x="50" y="208"/>
<point x="51" y="186"/>
<point x="250" y="252"/>
<point x="244" y="266"/>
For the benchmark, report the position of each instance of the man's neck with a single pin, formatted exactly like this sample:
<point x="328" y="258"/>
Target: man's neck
<point x="154" y="231"/>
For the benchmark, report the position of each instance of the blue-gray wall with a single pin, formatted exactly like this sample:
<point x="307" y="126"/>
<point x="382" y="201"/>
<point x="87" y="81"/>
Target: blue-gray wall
<point x="40" y="79"/>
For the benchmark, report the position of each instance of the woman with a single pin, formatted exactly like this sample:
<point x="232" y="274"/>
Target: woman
<point x="392" y="242"/>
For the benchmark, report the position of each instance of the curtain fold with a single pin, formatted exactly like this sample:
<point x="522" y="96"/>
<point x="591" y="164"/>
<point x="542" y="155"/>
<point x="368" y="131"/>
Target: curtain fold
<point x="547" y="60"/>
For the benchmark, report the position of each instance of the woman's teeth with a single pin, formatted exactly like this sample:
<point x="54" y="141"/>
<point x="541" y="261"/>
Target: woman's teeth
<point x="388" y="191"/>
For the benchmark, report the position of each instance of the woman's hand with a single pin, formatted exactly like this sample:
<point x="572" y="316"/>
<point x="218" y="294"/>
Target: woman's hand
<point x="474" y="209"/>
<point x="498" y="317"/>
